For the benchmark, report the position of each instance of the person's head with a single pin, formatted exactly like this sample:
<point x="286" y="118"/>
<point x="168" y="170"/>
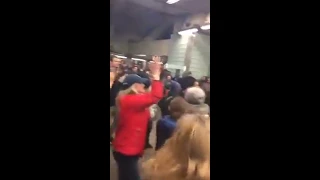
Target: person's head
<point x="184" y="156"/>
<point x="194" y="95"/>
<point x="114" y="61"/>
<point x="186" y="82"/>
<point x="179" y="106"/>
<point x="208" y="80"/>
<point x="167" y="86"/>
<point x="164" y="75"/>
<point x="135" y="69"/>
<point x="196" y="83"/>
<point x="169" y="77"/>
<point x="121" y="71"/>
<point x="134" y="83"/>
<point x="175" y="89"/>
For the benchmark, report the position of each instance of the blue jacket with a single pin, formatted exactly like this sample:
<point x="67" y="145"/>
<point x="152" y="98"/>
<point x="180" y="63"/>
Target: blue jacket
<point x="165" y="129"/>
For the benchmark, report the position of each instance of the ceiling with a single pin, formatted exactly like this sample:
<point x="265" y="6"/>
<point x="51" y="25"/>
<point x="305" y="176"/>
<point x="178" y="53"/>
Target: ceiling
<point x="143" y="16"/>
<point x="179" y="8"/>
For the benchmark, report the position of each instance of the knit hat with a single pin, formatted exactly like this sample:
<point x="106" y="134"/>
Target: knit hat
<point x="196" y="97"/>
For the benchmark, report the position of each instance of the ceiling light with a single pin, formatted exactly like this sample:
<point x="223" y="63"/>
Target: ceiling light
<point x="188" y="31"/>
<point x="122" y="57"/>
<point x="138" y="59"/>
<point x="141" y="55"/>
<point x="205" y="27"/>
<point x="172" y="1"/>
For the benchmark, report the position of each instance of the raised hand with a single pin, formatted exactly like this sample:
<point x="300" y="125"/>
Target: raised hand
<point x="155" y="67"/>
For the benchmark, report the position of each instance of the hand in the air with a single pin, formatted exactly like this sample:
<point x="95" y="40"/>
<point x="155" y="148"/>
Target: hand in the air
<point x="155" y="67"/>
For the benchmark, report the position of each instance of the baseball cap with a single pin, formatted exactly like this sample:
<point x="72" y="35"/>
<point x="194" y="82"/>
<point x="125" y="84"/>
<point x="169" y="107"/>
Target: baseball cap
<point x="131" y="79"/>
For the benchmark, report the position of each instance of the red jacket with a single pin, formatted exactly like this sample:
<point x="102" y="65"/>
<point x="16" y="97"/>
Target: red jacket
<point x="133" y="120"/>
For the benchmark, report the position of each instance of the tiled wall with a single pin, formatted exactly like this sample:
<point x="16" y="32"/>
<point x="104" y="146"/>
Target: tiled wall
<point x="157" y="47"/>
<point x="200" y="56"/>
<point x="177" y="51"/>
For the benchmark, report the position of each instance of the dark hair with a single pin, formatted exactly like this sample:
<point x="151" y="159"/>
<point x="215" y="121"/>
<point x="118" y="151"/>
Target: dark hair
<point x="179" y="106"/>
<point x="121" y="72"/>
<point x="164" y="74"/>
<point x="186" y="82"/>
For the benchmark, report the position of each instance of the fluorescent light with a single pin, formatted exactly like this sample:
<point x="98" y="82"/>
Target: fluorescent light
<point x="205" y="27"/>
<point x="188" y="31"/>
<point x="122" y="57"/>
<point x="141" y="55"/>
<point x="138" y="59"/>
<point x="172" y="1"/>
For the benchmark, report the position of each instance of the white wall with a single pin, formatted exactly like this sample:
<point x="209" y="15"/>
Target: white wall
<point x="120" y="42"/>
<point x="158" y="47"/>
<point x="177" y="52"/>
<point x="200" y="56"/>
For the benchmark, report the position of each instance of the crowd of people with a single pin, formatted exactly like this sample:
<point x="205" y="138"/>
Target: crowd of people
<point x="180" y="108"/>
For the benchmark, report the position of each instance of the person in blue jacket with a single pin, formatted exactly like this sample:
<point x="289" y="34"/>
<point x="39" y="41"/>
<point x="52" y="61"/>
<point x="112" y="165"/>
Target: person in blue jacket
<point x="166" y="126"/>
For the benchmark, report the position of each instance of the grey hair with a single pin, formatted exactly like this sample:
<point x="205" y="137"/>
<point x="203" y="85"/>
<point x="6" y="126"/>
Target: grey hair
<point x="195" y="95"/>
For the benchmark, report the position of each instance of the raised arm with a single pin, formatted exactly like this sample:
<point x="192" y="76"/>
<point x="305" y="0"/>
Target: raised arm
<point x="141" y="101"/>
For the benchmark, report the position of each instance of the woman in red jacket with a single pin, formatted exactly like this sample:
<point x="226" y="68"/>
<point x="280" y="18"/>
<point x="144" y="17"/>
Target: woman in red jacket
<point x="133" y="104"/>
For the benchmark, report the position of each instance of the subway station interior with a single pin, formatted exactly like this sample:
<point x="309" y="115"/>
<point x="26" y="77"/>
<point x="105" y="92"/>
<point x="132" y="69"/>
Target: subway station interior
<point x="176" y="30"/>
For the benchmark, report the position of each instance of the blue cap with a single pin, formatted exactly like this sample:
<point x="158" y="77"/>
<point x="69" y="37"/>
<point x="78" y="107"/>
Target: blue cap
<point x="131" y="79"/>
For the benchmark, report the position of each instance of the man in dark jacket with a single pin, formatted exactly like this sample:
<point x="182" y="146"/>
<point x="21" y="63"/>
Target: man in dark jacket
<point x="114" y="90"/>
<point x="166" y="125"/>
<point x="117" y="86"/>
<point x="172" y="90"/>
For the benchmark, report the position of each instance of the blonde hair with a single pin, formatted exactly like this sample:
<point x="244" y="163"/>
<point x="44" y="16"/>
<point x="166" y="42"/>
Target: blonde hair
<point x="186" y="155"/>
<point x="127" y="91"/>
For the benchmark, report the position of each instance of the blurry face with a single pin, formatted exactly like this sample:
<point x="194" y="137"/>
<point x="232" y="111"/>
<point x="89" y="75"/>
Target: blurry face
<point x="196" y="83"/>
<point x="139" y="88"/>
<point x="169" y="77"/>
<point x="135" y="69"/>
<point x="120" y="72"/>
<point x="115" y="62"/>
<point x="208" y="80"/>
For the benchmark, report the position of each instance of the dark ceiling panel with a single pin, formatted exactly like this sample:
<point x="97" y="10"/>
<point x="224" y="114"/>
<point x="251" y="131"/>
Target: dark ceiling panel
<point x="129" y="17"/>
